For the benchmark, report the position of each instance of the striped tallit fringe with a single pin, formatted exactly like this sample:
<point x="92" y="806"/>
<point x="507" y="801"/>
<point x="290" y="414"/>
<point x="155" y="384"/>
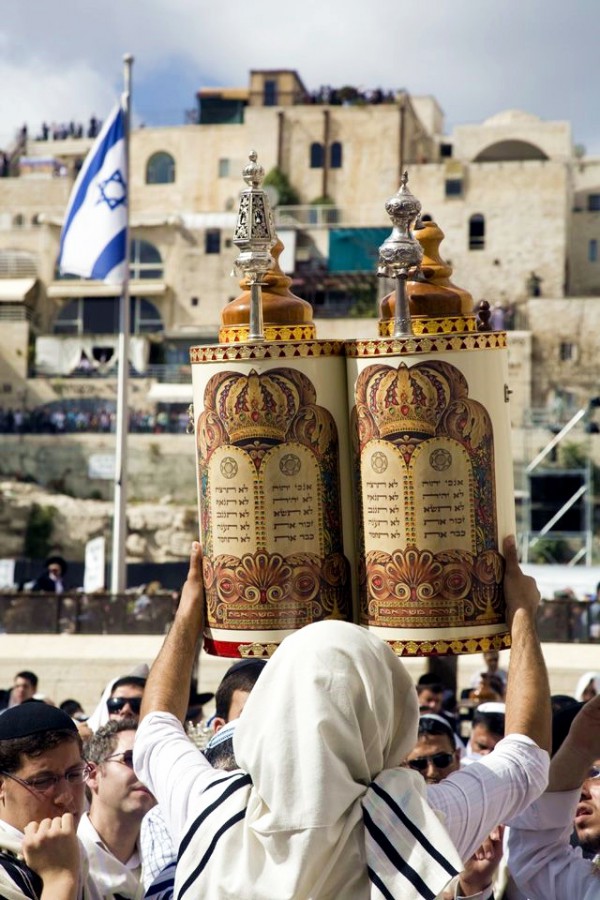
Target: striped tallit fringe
<point x="410" y="867"/>
<point x="163" y="886"/>
<point x="223" y="809"/>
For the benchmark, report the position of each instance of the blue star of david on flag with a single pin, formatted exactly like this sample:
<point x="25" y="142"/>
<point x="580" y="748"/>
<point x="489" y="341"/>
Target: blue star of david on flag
<point x="113" y="190"/>
<point x="93" y="239"/>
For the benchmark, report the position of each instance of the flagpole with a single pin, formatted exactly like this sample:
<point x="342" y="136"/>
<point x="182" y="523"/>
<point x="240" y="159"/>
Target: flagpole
<point x="118" y="581"/>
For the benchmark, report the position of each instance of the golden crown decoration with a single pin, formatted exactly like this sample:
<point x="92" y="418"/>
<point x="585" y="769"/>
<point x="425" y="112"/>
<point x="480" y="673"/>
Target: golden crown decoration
<point x="406" y="400"/>
<point x="258" y="407"/>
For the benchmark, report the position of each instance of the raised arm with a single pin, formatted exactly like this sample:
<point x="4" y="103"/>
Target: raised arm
<point x="581" y="747"/>
<point x="167" y="686"/>
<point x="541" y="859"/>
<point x="489" y="792"/>
<point x="528" y="709"/>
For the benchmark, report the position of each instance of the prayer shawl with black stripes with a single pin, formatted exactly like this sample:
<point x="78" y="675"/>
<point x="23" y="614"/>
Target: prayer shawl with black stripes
<point x="320" y="810"/>
<point x="17" y="880"/>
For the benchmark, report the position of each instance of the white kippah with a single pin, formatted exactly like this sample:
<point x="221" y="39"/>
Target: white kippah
<point x="492" y="706"/>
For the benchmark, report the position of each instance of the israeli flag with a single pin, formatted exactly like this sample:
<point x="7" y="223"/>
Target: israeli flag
<point x="93" y="239"/>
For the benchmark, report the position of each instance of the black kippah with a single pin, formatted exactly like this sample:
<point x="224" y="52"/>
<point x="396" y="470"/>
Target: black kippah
<point x="248" y="663"/>
<point x="33" y="717"/>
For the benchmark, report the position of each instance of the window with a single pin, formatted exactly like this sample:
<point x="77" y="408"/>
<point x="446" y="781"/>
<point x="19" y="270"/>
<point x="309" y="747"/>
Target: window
<point x="593" y="250"/>
<point x="593" y="202"/>
<point x="317" y="156"/>
<point x="19" y="221"/>
<point x="70" y="319"/>
<point x="567" y="351"/>
<point x="212" y="240"/>
<point x="145" y="260"/>
<point x="160" y="168"/>
<point x="445" y="151"/>
<point x="223" y="168"/>
<point x="145" y="317"/>
<point x="454" y="187"/>
<point x="270" y="92"/>
<point x="476" y="232"/>
<point x="100" y="315"/>
<point x="335" y="155"/>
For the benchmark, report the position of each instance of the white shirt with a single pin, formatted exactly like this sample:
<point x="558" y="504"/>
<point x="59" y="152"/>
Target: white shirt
<point x="472" y="801"/>
<point x="541" y="860"/>
<point x="109" y="874"/>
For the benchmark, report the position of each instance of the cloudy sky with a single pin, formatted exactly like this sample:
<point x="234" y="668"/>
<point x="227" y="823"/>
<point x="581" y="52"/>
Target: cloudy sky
<point x="63" y="60"/>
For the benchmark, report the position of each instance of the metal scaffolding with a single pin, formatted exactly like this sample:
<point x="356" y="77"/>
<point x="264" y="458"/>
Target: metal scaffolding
<point x="566" y="513"/>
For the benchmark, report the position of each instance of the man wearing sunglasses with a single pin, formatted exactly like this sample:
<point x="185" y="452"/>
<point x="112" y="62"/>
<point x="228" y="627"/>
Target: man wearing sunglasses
<point x="42" y="778"/>
<point x="435" y="754"/>
<point x="126" y="697"/>
<point x="541" y="859"/>
<point x="110" y="831"/>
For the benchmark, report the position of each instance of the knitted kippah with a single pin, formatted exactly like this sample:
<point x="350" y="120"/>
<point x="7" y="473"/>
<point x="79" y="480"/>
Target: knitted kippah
<point x="33" y="717"/>
<point x="223" y="734"/>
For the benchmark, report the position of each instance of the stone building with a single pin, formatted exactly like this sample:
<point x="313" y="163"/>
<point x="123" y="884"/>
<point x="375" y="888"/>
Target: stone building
<point x="520" y="209"/>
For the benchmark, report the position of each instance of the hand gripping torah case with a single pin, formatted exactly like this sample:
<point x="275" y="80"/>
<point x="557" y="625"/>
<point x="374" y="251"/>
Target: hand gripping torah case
<point x="432" y="459"/>
<point x="274" y="480"/>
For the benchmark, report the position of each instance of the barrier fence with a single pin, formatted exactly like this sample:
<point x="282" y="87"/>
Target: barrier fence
<point x="568" y="621"/>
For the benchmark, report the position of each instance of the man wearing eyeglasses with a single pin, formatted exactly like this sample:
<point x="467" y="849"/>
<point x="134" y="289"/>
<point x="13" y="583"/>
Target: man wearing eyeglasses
<point x="110" y="831"/>
<point x="541" y="859"/>
<point x="42" y="777"/>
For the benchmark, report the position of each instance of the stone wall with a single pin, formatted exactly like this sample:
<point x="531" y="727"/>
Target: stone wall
<point x="156" y="532"/>
<point x="160" y="465"/>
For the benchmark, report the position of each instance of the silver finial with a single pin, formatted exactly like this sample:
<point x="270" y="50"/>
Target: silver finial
<point x="255" y="236"/>
<point x="401" y="252"/>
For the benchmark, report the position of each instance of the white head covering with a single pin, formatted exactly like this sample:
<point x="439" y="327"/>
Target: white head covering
<point x="100" y="715"/>
<point x="584" y="682"/>
<point x="331" y="715"/>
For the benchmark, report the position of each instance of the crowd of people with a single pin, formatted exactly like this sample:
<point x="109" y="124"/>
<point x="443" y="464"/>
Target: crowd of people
<point x="74" y="420"/>
<point x="349" y="95"/>
<point x="323" y="773"/>
<point x="61" y="131"/>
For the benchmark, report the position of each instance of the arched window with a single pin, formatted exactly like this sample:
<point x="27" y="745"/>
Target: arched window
<point x="335" y="155"/>
<point x="160" y="168"/>
<point x="145" y="260"/>
<point x="476" y="232"/>
<point x="317" y="155"/>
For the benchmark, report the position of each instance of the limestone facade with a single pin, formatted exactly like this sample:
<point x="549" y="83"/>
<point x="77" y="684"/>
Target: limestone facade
<point x="511" y="195"/>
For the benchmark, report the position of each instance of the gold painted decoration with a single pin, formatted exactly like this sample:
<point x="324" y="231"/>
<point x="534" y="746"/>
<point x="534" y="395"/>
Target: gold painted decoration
<point x="426" y="467"/>
<point x="419" y="344"/>
<point x="237" y="334"/>
<point x="431" y="325"/>
<point x="271" y="517"/>
<point x="279" y="350"/>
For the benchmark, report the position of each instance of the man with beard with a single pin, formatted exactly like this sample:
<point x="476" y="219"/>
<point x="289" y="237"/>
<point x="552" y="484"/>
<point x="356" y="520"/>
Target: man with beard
<point x="541" y="860"/>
